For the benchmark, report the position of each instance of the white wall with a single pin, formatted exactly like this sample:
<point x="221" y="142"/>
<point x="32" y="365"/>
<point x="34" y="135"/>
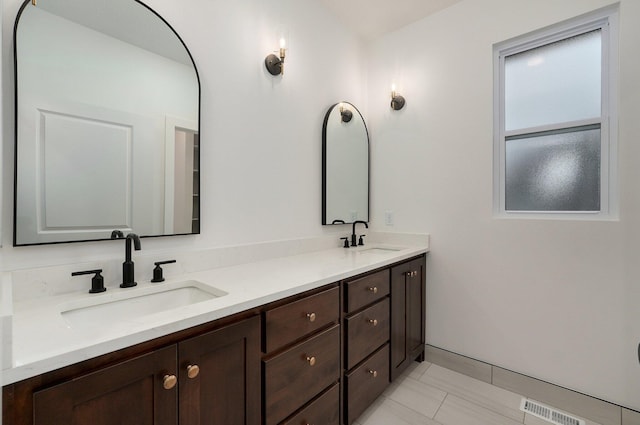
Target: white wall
<point x="557" y="300"/>
<point x="261" y="136"/>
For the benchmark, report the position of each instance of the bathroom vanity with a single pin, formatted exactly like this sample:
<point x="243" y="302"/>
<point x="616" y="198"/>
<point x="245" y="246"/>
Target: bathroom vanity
<point x="319" y="356"/>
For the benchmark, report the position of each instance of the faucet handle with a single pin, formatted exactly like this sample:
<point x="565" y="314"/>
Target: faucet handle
<point x="346" y="242"/>
<point x="360" y="241"/>
<point x="97" y="281"/>
<point x="157" y="271"/>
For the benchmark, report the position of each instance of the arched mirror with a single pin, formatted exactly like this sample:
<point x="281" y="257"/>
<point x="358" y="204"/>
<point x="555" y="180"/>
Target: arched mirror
<point x="107" y="123"/>
<point x="345" y="165"/>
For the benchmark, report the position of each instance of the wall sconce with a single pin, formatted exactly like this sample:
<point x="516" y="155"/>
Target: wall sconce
<point x="345" y="114"/>
<point x="397" y="101"/>
<point x="275" y="64"/>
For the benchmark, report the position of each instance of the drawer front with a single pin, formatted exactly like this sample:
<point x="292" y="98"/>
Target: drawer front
<point x="324" y="410"/>
<point x="293" y="321"/>
<point x="366" y="331"/>
<point x="298" y="374"/>
<point x="365" y="383"/>
<point x="366" y="290"/>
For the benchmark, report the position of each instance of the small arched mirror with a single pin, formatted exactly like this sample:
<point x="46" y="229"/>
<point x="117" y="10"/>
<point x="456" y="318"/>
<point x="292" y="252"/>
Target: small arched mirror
<point x="107" y="123"/>
<point x="345" y="165"/>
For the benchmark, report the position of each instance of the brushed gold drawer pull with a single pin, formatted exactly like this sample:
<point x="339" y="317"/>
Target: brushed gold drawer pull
<point x="169" y="381"/>
<point x="311" y="317"/>
<point x="373" y="373"/>
<point x="373" y="289"/>
<point x="374" y="322"/>
<point x="311" y="360"/>
<point x="192" y="371"/>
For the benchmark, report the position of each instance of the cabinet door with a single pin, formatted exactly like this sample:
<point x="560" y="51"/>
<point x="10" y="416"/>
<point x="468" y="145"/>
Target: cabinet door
<point x="407" y="314"/>
<point x="226" y="388"/>
<point x="128" y="393"/>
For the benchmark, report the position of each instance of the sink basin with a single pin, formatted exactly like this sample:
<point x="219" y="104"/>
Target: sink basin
<point x="141" y="302"/>
<point x="378" y="250"/>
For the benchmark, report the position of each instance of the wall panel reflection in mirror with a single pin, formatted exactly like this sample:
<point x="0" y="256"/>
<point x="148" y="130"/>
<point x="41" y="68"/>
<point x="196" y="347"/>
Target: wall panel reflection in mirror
<point x="107" y="123"/>
<point x="345" y="165"/>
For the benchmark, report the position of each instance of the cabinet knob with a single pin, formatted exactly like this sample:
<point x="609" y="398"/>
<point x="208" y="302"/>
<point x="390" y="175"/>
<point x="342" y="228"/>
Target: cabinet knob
<point x="193" y="370"/>
<point x="374" y="322"/>
<point x="311" y="360"/>
<point x="169" y="381"/>
<point x="311" y="317"/>
<point x="373" y="289"/>
<point x="373" y="373"/>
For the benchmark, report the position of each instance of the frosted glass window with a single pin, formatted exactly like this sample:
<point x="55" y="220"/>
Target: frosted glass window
<point x="554" y="172"/>
<point x="555" y="140"/>
<point x="555" y="83"/>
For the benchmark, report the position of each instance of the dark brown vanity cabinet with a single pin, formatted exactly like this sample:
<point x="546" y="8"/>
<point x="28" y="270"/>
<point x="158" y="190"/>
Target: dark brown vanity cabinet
<point x="408" y="298"/>
<point x="211" y="378"/>
<point x="320" y="357"/>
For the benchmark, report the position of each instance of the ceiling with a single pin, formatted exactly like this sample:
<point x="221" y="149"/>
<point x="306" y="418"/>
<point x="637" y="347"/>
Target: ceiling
<point x="124" y="20"/>
<point x="373" y="18"/>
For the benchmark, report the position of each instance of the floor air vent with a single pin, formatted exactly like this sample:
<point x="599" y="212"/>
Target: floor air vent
<point x="548" y="413"/>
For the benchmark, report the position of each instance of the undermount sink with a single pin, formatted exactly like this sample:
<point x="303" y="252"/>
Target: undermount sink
<point x="140" y="302"/>
<point x="378" y="250"/>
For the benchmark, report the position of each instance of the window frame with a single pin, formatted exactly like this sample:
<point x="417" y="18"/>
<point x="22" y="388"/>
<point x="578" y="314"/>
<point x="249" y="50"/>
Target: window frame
<point x="606" y="20"/>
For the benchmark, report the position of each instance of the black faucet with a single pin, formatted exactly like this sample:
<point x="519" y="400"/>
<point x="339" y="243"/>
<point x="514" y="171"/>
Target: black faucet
<point x="353" y="232"/>
<point x="128" y="278"/>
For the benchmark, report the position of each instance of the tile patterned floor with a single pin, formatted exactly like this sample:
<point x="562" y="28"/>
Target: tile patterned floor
<point x="428" y="394"/>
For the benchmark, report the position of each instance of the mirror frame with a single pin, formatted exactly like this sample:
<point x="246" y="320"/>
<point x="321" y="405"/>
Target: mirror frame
<point x="15" y="159"/>
<point x="324" y="164"/>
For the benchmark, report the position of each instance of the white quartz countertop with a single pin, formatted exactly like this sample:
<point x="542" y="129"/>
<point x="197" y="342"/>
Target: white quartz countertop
<point x="43" y="341"/>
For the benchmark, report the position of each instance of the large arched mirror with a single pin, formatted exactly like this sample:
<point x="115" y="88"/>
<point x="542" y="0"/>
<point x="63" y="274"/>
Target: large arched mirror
<point x="345" y="165"/>
<point x="107" y="123"/>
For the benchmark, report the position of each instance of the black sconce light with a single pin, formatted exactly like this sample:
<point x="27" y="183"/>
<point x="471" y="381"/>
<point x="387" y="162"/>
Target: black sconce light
<point x="397" y="101"/>
<point x="275" y="64"/>
<point x="345" y="114"/>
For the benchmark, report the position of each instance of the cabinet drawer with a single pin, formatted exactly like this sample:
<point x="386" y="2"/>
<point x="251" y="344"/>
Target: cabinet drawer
<point x="298" y="374"/>
<point x="366" y="331"/>
<point x="324" y="410"/>
<point x="365" y="383"/>
<point x="293" y="321"/>
<point x="366" y="290"/>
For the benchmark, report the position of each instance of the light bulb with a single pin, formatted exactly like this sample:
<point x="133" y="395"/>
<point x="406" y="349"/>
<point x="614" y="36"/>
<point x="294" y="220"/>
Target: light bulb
<point x="283" y="43"/>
